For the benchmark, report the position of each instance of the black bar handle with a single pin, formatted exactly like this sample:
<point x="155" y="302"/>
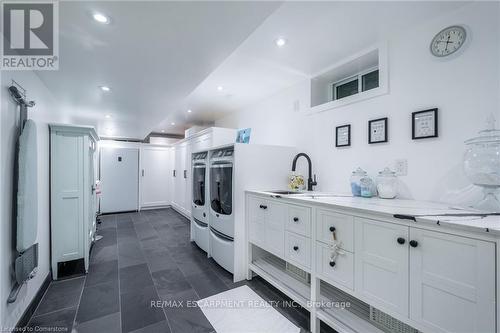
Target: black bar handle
<point x="263" y="206"/>
<point x="405" y="217"/>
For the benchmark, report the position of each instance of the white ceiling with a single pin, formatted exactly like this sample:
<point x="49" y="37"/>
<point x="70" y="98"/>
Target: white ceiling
<point x="163" y="58"/>
<point x="152" y="55"/>
<point x="318" y="34"/>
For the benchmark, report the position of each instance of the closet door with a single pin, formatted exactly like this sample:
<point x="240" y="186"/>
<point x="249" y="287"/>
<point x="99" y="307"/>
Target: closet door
<point x="119" y="176"/>
<point x="155" y="177"/>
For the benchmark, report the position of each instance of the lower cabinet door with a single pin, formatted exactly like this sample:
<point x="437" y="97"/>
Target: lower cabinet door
<point x="452" y="282"/>
<point x="381" y="264"/>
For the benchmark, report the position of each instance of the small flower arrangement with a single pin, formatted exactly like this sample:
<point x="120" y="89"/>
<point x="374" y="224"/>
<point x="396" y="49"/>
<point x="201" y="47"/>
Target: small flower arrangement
<point x="296" y="182"/>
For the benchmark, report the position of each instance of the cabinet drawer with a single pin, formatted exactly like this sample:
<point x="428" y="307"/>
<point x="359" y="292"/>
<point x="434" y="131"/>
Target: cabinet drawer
<point x="297" y="249"/>
<point x="256" y="214"/>
<point x="299" y="220"/>
<point x="343" y="270"/>
<point x="342" y="225"/>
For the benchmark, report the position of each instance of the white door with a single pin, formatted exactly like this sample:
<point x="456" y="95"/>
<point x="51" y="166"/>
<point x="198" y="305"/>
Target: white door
<point x="179" y="195"/>
<point x="187" y="180"/>
<point x="119" y="177"/>
<point x="155" y="177"/>
<point x="381" y="264"/>
<point x="452" y="282"/>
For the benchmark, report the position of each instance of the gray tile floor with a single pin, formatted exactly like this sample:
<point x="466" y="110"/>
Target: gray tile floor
<point x="144" y="257"/>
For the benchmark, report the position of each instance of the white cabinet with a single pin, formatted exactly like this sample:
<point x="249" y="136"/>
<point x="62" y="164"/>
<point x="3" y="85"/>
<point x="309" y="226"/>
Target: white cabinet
<point x="452" y="282"/>
<point x="179" y="190"/>
<point x="267" y="224"/>
<point x="72" y="192"/>
<point x="155" y="176"/>
<point x="381" y="264"/>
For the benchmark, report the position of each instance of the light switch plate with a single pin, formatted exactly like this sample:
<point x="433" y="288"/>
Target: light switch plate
<point x="401" y="167"/>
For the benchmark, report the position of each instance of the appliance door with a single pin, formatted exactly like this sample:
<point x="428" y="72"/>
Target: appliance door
<point x="222" y="249"/>
<point x="199" y="185"/>
<point x="221" y="197"/>
<point x="119" y="170"/>
<point x="221" y="188"/>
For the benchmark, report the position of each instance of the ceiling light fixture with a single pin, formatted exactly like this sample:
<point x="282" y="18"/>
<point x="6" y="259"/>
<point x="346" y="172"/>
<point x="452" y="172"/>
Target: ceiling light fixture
<point x="163" y="131"/>
<point x="105" y="88"/>
<point x="189" y="111"/>
<point x="172" y="124"/>
<point x="280" y="42"/>
<point x="101" y="18"/>
<point x="108" y="116"/>
<point x="220" y="88"/>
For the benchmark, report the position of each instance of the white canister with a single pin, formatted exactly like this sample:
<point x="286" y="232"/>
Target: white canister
<point x="387" y="184"/>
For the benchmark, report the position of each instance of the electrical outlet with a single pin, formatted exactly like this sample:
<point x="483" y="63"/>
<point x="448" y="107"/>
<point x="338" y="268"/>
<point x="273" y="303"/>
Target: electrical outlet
<point x="401" y="167"/>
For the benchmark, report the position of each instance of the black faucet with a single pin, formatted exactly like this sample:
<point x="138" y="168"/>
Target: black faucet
<point x="310" y="181"/>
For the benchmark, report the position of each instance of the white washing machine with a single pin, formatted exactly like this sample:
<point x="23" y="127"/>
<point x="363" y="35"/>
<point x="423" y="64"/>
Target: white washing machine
<point x="199" y="203"/>
<point x="221" y="207"/>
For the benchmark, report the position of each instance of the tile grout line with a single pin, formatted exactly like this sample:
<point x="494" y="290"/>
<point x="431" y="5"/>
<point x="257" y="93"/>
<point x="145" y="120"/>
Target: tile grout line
<point x="154" y="285"/>
<point x="118" y="274"/>
<point x="80" y="298"/>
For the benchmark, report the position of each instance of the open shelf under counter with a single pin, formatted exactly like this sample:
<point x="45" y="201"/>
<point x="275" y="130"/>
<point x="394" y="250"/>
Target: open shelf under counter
<point x="273" y="270"/>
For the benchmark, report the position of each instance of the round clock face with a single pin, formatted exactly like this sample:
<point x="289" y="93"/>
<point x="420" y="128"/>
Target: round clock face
<point x="448" y="41"/>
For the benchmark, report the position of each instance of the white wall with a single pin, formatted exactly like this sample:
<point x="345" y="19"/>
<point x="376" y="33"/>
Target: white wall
<point x="465" y="89"/>
<point x="44" y="111"/>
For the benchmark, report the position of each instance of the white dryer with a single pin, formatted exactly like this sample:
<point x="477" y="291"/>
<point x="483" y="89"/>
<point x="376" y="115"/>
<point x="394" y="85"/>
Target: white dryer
<point x="199" y="203"/>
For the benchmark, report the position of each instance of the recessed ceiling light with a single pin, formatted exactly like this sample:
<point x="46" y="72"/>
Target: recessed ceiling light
<point x="105" y="88"/>
<point x="220" y="88"/>
<point x="280" y="42"/>
<point x="189" y="111"/>
<point x="108" y="116"/>
<point x="101" y="18"/>
<point x="163" y="131"/>
<point x="172" y="124"/>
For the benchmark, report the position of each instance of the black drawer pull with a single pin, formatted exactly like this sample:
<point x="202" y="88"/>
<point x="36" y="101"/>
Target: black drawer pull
<point x="413" y="243"/>
<point x="401" y="240"/>
<point x="332" y="229"/>
<point x="295" y="248"/>
<point x="263" y="206"/>
<point x="296" y="219"/>
<point x="332" y="263"/>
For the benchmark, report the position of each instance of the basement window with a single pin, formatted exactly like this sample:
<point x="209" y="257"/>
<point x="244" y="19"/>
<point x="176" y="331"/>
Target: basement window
<point x="360" y="82"/>
<point x="354" y="79"/>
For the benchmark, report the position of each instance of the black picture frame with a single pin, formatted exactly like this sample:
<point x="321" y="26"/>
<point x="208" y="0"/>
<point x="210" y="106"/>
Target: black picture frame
<point x="386" y="136"/>
<point x="348" y="126"/>
<point x="436" y="122"/>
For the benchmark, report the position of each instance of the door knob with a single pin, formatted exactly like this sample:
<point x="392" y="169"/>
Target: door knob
<point x="413" y="243"/>
<point x="401" y="240"/>
<point x="295" y="248"/>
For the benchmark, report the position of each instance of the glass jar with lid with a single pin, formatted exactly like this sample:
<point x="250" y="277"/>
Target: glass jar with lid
<point x="356" y="177"/>
<point x="482" y="165"/>
<point x="387" y="184"/>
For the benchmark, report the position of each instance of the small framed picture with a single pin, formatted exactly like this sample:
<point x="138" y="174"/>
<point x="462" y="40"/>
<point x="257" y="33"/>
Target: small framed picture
<point x="424" y="124"/>
<point x="343" y="136"/>
<point x="243" y="135"/>
<point x="377" y="130"/>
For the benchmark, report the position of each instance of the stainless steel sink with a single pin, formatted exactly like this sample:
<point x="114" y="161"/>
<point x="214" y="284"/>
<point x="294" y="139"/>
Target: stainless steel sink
<point x="284" y="192"/>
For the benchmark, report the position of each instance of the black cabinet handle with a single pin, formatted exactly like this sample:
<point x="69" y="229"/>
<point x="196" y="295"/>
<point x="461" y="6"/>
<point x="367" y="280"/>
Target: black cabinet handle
<point x="175" y="174"/>
<point x="263" y="206"/>
<point x="295" y="248"/>
<point x="401" y="240"/>
<point x="204" y="215"/>
<point x="332" y="263"/>
<point x="413" y="243"/>
<point x="296" y="219"/>
<point x="332" y="229"/>
<point x="185" y="173"/>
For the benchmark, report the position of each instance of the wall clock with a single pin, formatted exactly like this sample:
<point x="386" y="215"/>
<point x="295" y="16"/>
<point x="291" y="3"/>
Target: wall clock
<point x="448" y="41"/>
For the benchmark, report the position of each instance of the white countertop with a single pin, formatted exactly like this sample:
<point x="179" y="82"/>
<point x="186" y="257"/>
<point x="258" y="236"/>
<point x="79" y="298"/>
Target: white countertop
<point x="388" y="208"/>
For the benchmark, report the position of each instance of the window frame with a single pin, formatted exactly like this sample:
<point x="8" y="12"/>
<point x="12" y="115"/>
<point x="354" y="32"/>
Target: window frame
<point x="358" y="76"/>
